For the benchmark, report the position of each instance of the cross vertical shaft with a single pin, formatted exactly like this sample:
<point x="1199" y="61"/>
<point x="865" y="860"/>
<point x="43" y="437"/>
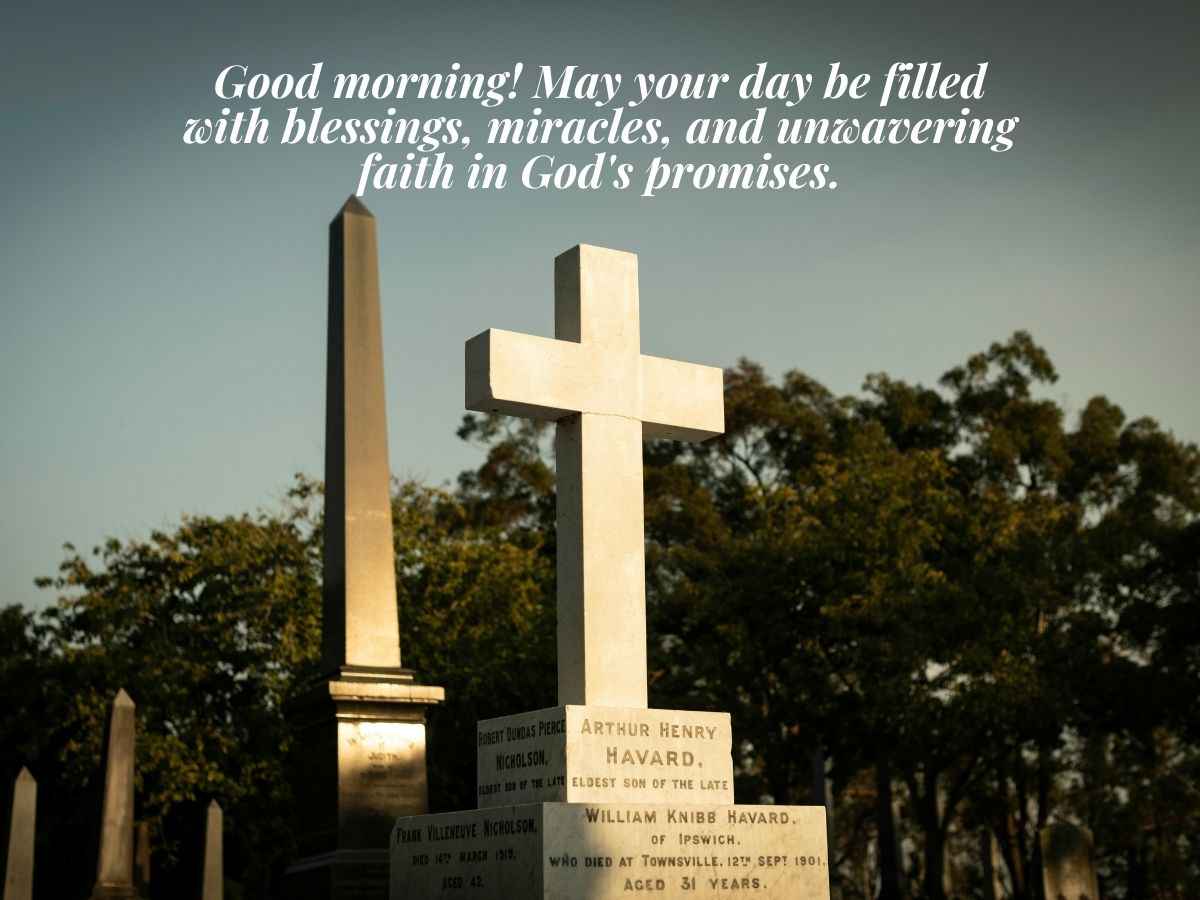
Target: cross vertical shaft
<point x="601" y="536"/>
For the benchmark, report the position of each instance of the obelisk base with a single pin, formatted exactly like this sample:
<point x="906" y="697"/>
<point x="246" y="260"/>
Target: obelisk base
<point x="358" y="764"/>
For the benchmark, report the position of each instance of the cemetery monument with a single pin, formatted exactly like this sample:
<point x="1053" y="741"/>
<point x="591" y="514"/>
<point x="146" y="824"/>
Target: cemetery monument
<point x="360" y="759"/>
<point x="602" y="796"/>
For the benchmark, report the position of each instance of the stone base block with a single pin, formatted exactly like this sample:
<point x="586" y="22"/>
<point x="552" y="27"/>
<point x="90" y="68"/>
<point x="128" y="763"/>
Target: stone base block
<point x="566" y="851"/>
<point x="359" y="759"/>
<point x="593" y="754"/>
<point x="341" y="875"/>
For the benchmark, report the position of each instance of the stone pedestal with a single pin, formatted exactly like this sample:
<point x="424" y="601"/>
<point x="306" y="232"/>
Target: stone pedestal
<point x="358" y="763"/>
<point x="603" y="851"/>
<point x="605" y="802"/>
<point x="601" y="797"/>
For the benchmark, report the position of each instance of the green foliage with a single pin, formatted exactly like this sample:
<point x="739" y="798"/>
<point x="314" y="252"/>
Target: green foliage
<point x="947" y="586"/>
<point x="476" y="614"/>
<point x="209" y="628"/>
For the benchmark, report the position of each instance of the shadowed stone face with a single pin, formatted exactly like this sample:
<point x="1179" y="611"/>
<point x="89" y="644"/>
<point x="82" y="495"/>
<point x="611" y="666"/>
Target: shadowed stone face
<point x="18" y="875"/>
<point x="606" y="397"/>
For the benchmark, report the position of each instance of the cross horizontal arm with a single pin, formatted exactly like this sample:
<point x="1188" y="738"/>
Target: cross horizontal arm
<point x="542" y="378"/>
<point x="681" y="401"/>
<point x="545" y="378"/>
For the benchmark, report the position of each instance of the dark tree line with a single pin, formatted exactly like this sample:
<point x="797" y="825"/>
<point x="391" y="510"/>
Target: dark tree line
<point x="977" y="613"/>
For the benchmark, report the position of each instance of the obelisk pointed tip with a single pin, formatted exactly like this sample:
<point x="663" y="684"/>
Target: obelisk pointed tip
<point x="355" y="207"/>
<point x="123" y="699"/>
<point x="25" y="774"/>
<point x="213" y="804"/>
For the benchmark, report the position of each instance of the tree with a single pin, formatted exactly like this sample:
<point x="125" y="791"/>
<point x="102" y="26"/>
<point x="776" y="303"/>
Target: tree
<point x="210" y="627"/>
<point x="214" y="627"/>
<point x="477" y="616"/>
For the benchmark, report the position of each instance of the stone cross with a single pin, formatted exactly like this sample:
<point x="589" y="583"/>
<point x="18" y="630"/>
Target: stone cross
<point x="114" y="867"/>
<point x="606" y="398"/>
<point x="214" y="870"/>
<point x="1068" y="863"/>
<point x="18" y="874"/>
<point x="360" y="626"/>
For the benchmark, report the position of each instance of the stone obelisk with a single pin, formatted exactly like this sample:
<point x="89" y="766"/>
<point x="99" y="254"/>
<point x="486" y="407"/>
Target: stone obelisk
<point x="361" y="749"/>
<point x="214" y="865"/>
<point x="114" y="866"/>
<point x="18" y="870"/>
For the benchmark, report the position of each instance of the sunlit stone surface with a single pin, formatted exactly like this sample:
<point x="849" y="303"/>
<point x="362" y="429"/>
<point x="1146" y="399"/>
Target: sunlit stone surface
<point x="601" y="797"/>
<point x="598" y="754"/>
<point x="606" y="397"/>
<point x="608" y="850"/>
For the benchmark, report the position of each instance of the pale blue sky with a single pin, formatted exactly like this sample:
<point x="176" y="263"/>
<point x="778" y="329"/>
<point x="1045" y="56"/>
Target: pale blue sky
<point x="163" y="310"/>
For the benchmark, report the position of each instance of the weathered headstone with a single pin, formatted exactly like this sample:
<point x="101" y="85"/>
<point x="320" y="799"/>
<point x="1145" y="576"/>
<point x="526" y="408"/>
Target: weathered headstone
<point x="1068" y="863"/>
<point x="360" y="758"/>
<point x="18" y="867"/>
<point x="114" y="866"/>
<point x="213" y="887"/>
<point x="602" y="797"/>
